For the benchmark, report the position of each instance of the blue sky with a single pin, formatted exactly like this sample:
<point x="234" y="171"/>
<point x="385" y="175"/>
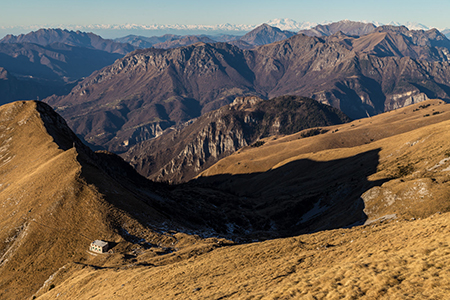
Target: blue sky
<point x="86" y="12"/>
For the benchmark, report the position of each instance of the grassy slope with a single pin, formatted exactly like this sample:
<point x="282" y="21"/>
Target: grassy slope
<point x="349" y="135"/>
<point x="54" y="201"/>
<point x="396" y="260"/>
<point x="412" y="151"/>
<point x="403" y="258"/>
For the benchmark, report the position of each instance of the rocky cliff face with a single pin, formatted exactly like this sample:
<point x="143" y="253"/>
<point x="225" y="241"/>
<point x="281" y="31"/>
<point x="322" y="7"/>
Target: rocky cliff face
<point x="388" y="68"/>
<point x="181" y="154"/>
<point x="153" y="86"/>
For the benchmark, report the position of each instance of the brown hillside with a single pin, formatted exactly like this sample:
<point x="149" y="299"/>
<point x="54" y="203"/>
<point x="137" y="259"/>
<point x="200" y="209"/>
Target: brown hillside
<point x="55" y="199"/>
<point x="57" y="196"/>
<point x="396" y="260"/>
<point x="408" y="154"/>
<point x="403" y="153"/>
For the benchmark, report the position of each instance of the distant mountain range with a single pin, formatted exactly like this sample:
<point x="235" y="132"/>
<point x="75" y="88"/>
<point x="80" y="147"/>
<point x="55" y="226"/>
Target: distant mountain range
<point x="152" y="89"/>
<point x="54" y="62"/>
<point x="45" y="37"/>
<point x="118" y="31"/>
<point x="264" y="34"/>
<point x="36" y="71"/>
<point x="261" y="35"/>
<point x="51" y="61"/>
<point x="354" y="66"/>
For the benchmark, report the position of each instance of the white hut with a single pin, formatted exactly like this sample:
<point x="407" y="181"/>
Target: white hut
<point x="99" y="246"/>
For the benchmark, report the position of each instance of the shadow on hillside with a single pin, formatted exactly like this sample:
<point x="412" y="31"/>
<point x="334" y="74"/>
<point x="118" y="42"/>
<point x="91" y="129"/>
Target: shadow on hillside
<point x="301" y="196"/>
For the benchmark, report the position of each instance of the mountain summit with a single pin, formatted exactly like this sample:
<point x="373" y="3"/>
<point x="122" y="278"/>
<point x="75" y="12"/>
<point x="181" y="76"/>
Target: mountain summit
<point x="346" y="26"/>
<point x="266" y="34"/>
<point x="150" y="90"/>
<point x="89" y="40"/>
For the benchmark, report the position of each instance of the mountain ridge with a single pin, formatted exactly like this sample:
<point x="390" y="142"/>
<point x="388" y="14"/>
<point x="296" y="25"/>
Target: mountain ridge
<point x="45" y="37"/>
<point x="361" y="76"/>
<point x="57" y="196"/>
<point x="120" y="30"/>
<point x="179" y="155"/>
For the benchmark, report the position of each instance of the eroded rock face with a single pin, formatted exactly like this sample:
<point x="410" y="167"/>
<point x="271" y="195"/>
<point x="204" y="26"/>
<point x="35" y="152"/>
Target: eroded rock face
<point x="181" y="154"/>
<point x="385" y="69"/>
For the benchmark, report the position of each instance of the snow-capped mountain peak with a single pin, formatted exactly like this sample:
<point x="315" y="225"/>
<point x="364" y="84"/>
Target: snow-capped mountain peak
<point x="291" y="25"/>
<point x="411" y="25"/>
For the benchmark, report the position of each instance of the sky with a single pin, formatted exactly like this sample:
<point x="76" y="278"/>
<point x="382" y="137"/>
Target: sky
<point x="57" y="13"/>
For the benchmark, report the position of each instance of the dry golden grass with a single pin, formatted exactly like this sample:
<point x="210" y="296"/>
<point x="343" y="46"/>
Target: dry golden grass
<point x="55" y="201"/>
<point x="50" y="211"/>
<point x="279" y="151"/>
<point x="395" y="260"/>
<point x="413" y="148"/>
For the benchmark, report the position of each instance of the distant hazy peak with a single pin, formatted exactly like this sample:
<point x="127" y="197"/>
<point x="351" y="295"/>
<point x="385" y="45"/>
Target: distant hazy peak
<point x="346" y="26"/>
<point x="48" y="36"/>
<point x="399" y="29"/>
<point x="291" y="25"/>
<point x="266" y="34"/>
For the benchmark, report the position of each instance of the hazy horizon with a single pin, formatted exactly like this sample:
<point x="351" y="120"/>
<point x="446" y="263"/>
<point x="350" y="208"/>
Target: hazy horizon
<point x="122" y="30"/>
<point x="27" y="15"/>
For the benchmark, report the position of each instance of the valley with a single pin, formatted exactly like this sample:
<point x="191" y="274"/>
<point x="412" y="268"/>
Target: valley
<point x="384" y="173"/>
<point x="182" y="154"/>
<point x="272" y="165"/>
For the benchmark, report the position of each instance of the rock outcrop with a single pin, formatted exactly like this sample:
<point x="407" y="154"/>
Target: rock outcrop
<point x="181" y="154"/>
